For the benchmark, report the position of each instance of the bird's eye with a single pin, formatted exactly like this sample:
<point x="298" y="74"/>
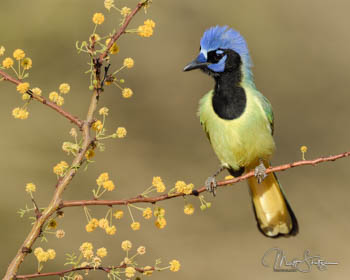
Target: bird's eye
<point x="215" y="56"/>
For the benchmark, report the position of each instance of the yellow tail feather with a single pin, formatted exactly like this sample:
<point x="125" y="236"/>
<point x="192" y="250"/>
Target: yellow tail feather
<point x="272" y="211"/>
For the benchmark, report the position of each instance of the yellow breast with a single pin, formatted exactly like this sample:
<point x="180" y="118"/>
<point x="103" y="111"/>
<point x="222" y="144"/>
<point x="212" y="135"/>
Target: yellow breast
<point x="240" y="142"/>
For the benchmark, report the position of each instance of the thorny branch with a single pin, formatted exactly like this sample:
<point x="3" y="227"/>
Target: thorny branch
<point x="85" y="126"/>
<point x="141" y="199"/>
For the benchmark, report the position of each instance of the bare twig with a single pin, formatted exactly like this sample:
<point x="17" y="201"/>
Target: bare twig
<point x="141" y="199"/>
<point x="43" y="100"/>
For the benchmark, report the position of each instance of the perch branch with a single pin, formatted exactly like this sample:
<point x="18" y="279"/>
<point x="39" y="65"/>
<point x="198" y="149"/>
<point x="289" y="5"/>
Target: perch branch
<point x="141" y="199"/>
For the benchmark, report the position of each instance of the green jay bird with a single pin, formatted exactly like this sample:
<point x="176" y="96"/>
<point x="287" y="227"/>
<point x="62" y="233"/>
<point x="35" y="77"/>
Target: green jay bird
<point x="238" y="121"/>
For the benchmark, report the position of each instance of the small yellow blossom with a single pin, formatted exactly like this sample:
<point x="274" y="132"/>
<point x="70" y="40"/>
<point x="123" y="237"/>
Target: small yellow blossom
<point x="130" y="272"/>
<point x="174" y="265"/>
<point x="103" y="223"/>
<point x="145" y="31"/>
<point x="125" y="11"/>
<point x="135" y="226"/>
<point x="60" y="168"/>
<point x="97" y="261"/>
<point x="127" y="92"/>
<point x="27" y="63"/>
<point x="19" y="54"/>
<point x="108" y="4"/>
<point x="160" y="222"/>
<point x="303" y="149"/>
<point x="111" y="230"/>
<point x="52" y="254"/>
<point x="25" y="97"/>
<point x="89" y="154"/>
<point x="7" y="62"/>
<point x="189" y="209"/>
<point x="141" y="250"/>
<point x="23" y="87"/>
<point x="86" y="246"/>
<point x="147" y="213"/>
<point x="60" y="100"/>
<point x="118" y="214"/>
<point x="188" y="189"/>
<point x="108" y="185"/>
<point x="53" y="96"/>
<point x="36" y="91"/>
<point x="88" y="254"/>
<point x="94" y="222"/>
<point x="126" y="245"/>
<point x="43" y="256"/>
<point x="104" y="177"/>
<point x="94" y="37"/>
<point x="37" y="251"/>
<point x="127" y="261"/>
<point x="64" y="88"/>
<point x="149" y="23"/>
<point x="121" y="132"/>
<point x="97" y="125"/>
<point x="52" y="224"/>
<point x="114" y="49"/>
<point x="147" y="270"/>
<point x="159" y="212"/>
<point x="79" y="276"/>
<point x="98" y="18"/>
<point x="60" y="233"/>
<point x="128" y="62"/>
<point x="158" y="183"/>
<point x="73" y="132"/>
<point x="20" y="113"/>
<point x="103" y="111"/>
<point x="180" y="186"/>
<point x="208" y="204"/>
<point x="2" y="50"/>
<point x="30" y="187"/>
<point x="102" y="252"/>
<point x="90" y="227"/>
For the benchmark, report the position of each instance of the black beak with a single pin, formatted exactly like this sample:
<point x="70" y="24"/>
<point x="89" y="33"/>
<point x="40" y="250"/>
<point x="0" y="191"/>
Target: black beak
<point x="195" y="65"/>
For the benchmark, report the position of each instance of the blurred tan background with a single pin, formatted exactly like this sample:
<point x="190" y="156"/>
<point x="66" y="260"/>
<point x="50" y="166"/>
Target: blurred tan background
<point x="302" y="63"/>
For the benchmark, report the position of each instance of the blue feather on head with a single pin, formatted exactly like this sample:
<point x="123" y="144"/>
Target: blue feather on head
<point x="225" y="38"/>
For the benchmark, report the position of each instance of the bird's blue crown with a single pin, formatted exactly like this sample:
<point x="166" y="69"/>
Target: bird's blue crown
<point x="226" y="38"/>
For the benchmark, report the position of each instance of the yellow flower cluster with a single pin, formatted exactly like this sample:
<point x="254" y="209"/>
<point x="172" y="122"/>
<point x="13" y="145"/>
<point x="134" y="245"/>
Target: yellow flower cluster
<point x="103" y="111"/>
<point x="158" y="184"/>
<point x="141" y="250"/>
<point x="146" y="30"/>
<point x="120" y="133"/>
<point x="174" y="265"/>
<point x="7" y="62"/>
<point x="102" y="252"/>
<point x="130" y="272"/>
<point x="159" y="212"/>
<point x="36" y="91"/>
<point x="97" y="126"/>
<point x="19" y="54"/>
<point x="60" y="168"/>
<point x="127" y="92"/>
<point x="303" y="150"/>
<point x="57" y="98"/>
<point x="147" y="213"/>
<point x="30" y="187"/>
<point x="135" y="225"/>
<point x="22" y="87"/>
<point x="64" y="88"/>
<point x="125" y="11"/>
<point x="108" y="4"/>
<point x="20" y="113"/>
<point x="98" y="18"/>
<point x="118" y="214"/>
<point x="114" y="48"/>
<point x="102" y="223"/>
<point x="103" y="180"/>
<point x="182" y="187"/>
<point x="189" y="209"/>
<point x="126" y="245"/>
<point x="26" y="63"/>
<point x="60" y="233"/>
<point x="128" y="62"/>
<point x="92" y="225"/>
<point x="43" y="256"/>
<point x="86" y="249"/>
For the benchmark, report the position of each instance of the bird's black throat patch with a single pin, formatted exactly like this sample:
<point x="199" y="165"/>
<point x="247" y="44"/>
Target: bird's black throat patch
<point x="229" y="99"/>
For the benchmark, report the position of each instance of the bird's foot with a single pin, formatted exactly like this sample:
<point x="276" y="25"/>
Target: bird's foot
<point x="211" y="185"/>
<point x="260" y="172"/>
